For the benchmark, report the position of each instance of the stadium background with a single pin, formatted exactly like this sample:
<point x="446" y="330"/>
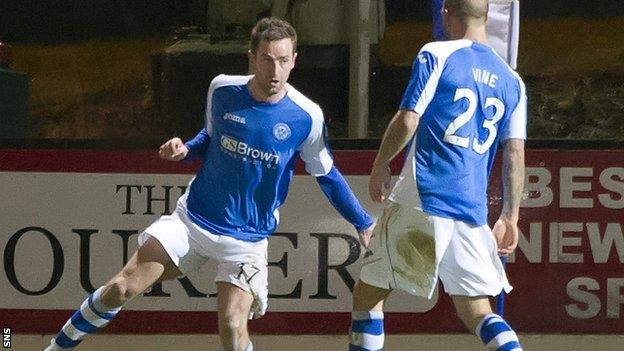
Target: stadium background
<point x="90" y="65"/>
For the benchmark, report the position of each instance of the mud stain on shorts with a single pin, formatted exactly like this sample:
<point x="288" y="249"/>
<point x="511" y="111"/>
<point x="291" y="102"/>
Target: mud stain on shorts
<point x="418" y="251"/>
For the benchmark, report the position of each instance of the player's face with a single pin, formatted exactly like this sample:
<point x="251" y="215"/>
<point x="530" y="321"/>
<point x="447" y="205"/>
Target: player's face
<point x="271" y="64"/>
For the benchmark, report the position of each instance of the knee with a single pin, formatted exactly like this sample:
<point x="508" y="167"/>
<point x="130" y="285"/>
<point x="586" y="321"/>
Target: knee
<point x="233" y="322"/>
<point x="120" y="290"/>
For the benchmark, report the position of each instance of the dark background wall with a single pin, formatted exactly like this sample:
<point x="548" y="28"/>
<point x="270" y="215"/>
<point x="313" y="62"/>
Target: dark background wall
<point x="421" y="9"/>
<point x="60" y="21"/>
<point x="55" y="21"/>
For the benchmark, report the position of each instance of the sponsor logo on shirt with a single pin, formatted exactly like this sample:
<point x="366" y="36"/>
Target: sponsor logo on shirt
<point x="247" y="153"/>
<point x="281" y="131"/>
<point x="234" y="118"/>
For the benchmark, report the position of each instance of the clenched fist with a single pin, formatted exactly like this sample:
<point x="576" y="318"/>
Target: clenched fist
<point x="173" y="150"/>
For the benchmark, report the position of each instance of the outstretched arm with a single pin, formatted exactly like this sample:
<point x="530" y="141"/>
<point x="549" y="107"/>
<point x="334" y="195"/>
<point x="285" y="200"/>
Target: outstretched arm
<point x="198" y="145"/>
<point x="506" y="228"/>
<point x="397" y="135"/>
<point x="341" y="196"/>
<point x="175" y="150"/>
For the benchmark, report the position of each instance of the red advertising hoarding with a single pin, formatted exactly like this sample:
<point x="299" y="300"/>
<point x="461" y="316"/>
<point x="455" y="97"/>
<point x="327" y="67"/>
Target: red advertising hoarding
<point x="568" y="272"/>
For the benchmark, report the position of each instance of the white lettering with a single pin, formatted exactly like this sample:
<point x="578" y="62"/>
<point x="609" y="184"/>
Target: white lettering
<point x="242" y="148"/>
<point x="568" y="186"/>
<point x="265" y="156"/>
<point x="615" y="298"/>
<point x="601" y="248"/>
<point x="485" y="77"/>
<point x="576" y="293"/>
<point x="607" y="182"/>
<point x="538" y="190"/>
<point x="476" y="73"/>
<point x="598" y="250"/>
<point x="492" y="80"/>
<point x="234" y="118"/>
<point x="536" y="186"/>
<point x="6" y="338"/>
<point x="558" y="242"/>
<point x="531" y="248"/>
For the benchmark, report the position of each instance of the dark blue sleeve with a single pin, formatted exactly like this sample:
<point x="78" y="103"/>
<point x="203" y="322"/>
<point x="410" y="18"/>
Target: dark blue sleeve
<point x="342" y="198"/>
<point x="197" y="146"/>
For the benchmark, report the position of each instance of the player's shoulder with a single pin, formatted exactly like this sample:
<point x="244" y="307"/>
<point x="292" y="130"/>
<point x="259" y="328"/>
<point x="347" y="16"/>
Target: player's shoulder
<point x="305" y="103"/>
<point x="512" y="73"/>
<point x="444" y="49"/>
<point x="518" y="79"/>
<point x="224" y="80"/>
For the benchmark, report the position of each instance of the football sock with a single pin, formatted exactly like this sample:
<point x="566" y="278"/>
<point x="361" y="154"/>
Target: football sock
<point x="366" y="331"/>
<point x="497" y="335"/>
<point x="92" y="316"/>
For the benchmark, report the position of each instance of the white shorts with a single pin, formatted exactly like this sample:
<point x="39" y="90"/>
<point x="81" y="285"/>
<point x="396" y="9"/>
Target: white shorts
<point x="411" y="249"/>
<point x="190" y="246"/>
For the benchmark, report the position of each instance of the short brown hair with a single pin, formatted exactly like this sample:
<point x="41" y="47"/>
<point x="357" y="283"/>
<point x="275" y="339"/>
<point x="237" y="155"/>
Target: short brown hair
<point x="468" y="10"/>
<point x="272" y="29"/>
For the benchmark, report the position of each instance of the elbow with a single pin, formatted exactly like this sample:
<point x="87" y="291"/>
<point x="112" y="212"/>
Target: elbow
<point x="408" y="120"/>
<point x="403" y="124"/>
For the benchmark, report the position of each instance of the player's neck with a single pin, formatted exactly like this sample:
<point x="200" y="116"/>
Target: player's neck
<point x="476" y="34"/>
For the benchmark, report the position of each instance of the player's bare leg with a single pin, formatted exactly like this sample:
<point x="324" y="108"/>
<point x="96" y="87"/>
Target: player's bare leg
<point x="149" y="264"/>
<point x="476" y="314"/>
<point x="368" y="298"/>
<point x="366" y="331"/>
<point x="234" y="306"/>
<point x="471" y="309"/>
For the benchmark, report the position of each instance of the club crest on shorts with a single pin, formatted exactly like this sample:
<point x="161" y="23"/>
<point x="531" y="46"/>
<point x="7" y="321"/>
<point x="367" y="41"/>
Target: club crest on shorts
<point x="281" y="131"/>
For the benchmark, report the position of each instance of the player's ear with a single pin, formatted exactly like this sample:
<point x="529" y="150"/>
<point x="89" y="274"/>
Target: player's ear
<point x="294" y="59"/>
<point x="445" y="19"/>
<point x="251" y="59"/>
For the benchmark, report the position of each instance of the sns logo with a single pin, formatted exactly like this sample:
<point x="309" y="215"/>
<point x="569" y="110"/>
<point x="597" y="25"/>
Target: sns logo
<point x="238" y="147"/>
<point x="6" y="338"/>
<point x="422" y="59"/>
<point x="281" y="131"/>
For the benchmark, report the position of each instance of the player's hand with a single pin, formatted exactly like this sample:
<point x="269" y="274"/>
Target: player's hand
<point x="173" y="150"/>
<point x="379" y="182"/>
<point x="505" y="232"/>
<point x="366" y="235"/>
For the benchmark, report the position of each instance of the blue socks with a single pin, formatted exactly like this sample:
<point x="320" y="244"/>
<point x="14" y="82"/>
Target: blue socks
<point x="92" y="316"/>
<point x="497" y="335"/>
<point x="367" y="332"/>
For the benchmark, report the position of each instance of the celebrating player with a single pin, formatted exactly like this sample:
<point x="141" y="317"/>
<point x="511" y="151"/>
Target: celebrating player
<point x="461" y="101"/>
<point x="256" y="126"/>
